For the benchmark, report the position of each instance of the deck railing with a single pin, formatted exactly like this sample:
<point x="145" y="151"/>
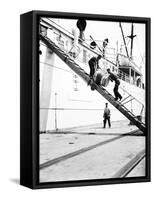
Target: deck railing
<point x="123" y="76"/>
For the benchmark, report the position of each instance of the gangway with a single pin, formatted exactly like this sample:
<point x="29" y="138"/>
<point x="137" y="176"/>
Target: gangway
<point x="85" y="76"/>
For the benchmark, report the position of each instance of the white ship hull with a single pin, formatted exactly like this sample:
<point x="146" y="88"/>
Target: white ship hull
<point x="74" y="104"/>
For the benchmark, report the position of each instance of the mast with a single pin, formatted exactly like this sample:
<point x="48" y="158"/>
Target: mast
<point x="124" y="40"/>
<point x="132" y="36"/>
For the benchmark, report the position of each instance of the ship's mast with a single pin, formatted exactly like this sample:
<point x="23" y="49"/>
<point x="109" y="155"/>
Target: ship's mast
<point x="124" y="40"/>
<point x="132" y="36"/>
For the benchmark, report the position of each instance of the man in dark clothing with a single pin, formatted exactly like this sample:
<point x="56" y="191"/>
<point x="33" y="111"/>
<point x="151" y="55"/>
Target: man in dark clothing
<point x="113" y="77"/>
<point x="107" y="116"/>
<point x="93" y="64"/>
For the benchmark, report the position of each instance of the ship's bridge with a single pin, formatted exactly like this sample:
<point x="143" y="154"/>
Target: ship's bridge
<point x="131" y="72"/>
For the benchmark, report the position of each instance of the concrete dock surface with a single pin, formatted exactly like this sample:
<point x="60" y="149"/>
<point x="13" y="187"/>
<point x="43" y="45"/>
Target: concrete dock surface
<point x="89" y="152"/>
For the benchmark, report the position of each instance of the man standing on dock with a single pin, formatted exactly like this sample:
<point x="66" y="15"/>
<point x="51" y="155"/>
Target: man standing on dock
<point x="107" y="115"/>
<point x="113" y="77"/>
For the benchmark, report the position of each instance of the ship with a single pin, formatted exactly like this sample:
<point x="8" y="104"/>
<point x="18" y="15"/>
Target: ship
<point x="66" y="101"/>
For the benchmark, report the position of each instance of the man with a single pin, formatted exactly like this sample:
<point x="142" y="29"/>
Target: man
<point x="105" y="43"/>
<point x="113" y="77"/>
<point x="107" y="116"/>
<point x="93" y="64"/>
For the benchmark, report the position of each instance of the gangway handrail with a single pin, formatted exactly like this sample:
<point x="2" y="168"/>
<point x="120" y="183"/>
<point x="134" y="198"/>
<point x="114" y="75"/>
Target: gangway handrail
<point x="129" y="95"/>
<point x="134" y="99"/>
<point x="84" y="44"/>
<point x="132" y="96"/>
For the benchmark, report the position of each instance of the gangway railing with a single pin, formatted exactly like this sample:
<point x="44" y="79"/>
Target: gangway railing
<point x="131" y="98"/>
<point x="123" y="76"/>
<point x="85" y="76"/>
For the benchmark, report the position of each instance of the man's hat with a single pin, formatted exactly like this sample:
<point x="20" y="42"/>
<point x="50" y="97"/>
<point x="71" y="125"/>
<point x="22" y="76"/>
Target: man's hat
<point x="107" y="40"/>
<point x="93" y="45"/>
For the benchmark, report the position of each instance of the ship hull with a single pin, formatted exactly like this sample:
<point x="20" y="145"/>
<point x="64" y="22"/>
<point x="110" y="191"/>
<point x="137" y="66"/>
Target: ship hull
<point x="69" y="101"/>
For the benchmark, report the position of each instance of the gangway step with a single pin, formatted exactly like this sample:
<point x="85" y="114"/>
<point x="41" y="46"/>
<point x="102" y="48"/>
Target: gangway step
<point x="78" y="70"/>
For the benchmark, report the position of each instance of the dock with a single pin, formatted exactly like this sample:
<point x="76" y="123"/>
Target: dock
<point x="92" y="152"/>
